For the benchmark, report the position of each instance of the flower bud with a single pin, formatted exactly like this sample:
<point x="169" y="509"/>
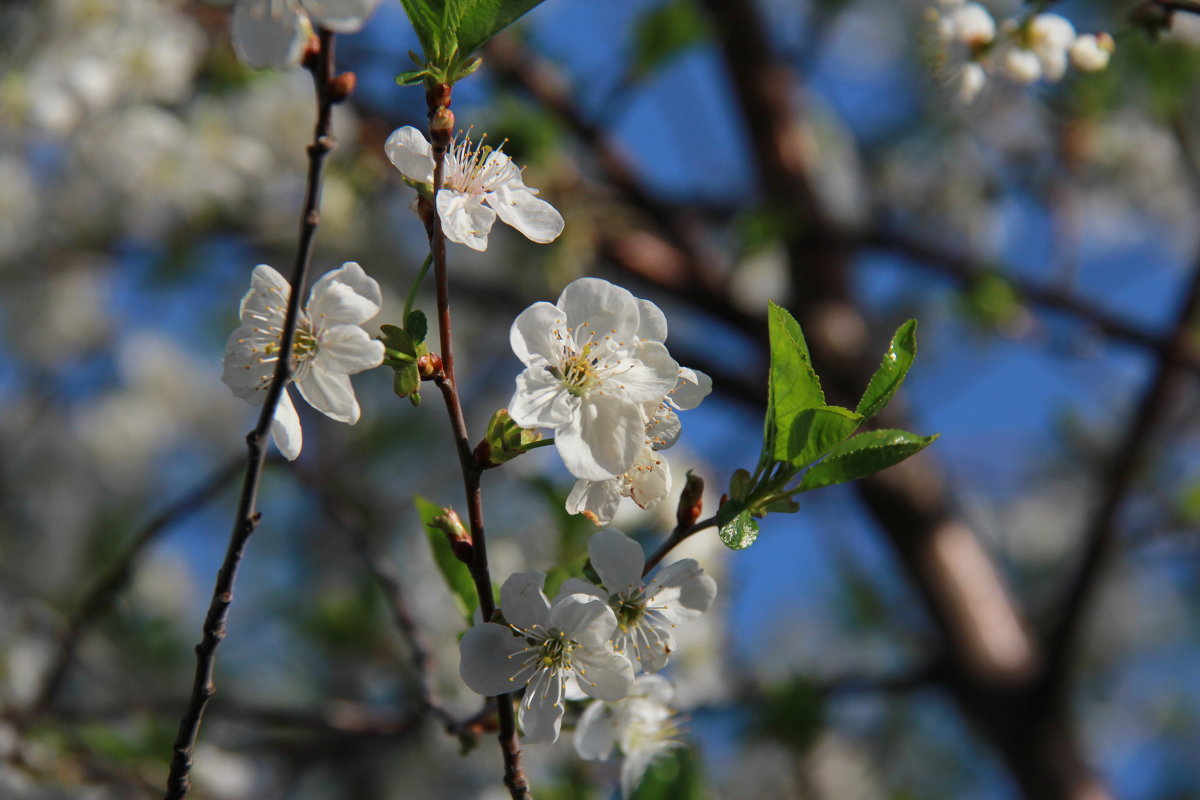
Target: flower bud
<point x="312" y="50"/>
<point x="438" y="96"/>
<point x="691" y="501"/>
<point x="442" y="121"/>
<point x="456" y="533"/>
<point x="429" y="366"/>
<point x="342" y="86"/>
<point x="504" y="441"/>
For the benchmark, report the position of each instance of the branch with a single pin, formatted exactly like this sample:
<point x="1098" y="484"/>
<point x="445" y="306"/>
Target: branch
<point x="246" y="521"/>
<point x="677" y="536"/>
<point x="97" y="602"/>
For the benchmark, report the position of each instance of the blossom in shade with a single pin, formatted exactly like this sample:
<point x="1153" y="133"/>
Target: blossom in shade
<point x="272" y="33"/>
<point x="544" y="648"/>
<point x="480" y="183"/>
<point x="594" y="362"/>
<point x="645" y="612"/>
<point x="1090" y="52"/>
<point x="648" y="481"/>
<point x="643" y="725"/>
<point x="329" y="346"/>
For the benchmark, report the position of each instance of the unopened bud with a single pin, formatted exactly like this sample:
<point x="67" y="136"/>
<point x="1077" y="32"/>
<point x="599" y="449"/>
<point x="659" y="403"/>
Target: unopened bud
<point x="312" y="50"/>
<point x="456" y="533"/>
<point x="438" y="96"/>
<point x="429" y="366"/>
<point x="342" y="87"/>
<point x="442" y="120"/>
<point x="691" y="501"/>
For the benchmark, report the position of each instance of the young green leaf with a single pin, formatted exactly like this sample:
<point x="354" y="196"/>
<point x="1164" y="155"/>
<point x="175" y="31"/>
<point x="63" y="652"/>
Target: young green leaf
<point x="816" y="431"/>
<point x="426" y="19"/>
<point x="737" y="528"/>
<point x="793" y="386"/>
<point x="457" y="576"/>
<point x="864" y="455"/>
<point x="416" y="325"/>
<point x="480" y="20"/>
<point x="891" y="373"/>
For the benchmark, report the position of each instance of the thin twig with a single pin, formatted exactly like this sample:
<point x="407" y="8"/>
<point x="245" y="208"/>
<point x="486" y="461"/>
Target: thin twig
<point x="678" y="535"/>
<point x="203" y="688"/>
<point x="438" y="100"/>
<point x="98" y="601"/>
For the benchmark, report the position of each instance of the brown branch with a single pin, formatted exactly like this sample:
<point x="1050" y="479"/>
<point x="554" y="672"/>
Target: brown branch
<point x="441" y="123"/>
<point x="97" y="602"/>
<point x="246" y="521"/>
<point x="677" y="536"/>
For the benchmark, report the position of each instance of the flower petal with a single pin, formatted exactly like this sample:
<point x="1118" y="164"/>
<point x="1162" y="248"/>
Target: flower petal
<point x="692" y="387"/>
<point x="285" y="428"/>
<point x="410" y="153"/>
<point x="580" y="586"/>
<point x="602" y="440"/>
<point x="654" y="377"/>
<point x="652" y="325"/>
<point x="344" y="296"/>
<point x="266" y="302"/>
<point x="542" y="708"/>
<point x="605" y="307"/>
<point x="596" y="500"/>
<point x="348" y="349"/>
<point x="595" y="733"/>
<point x="533" y="333"/>
<point x="618" y="560"/>
<point x="540" y="401"/>
<point x="532" y="216"/>
<point x="245" y="369"/>
<point x="583" y="617"/>
<point x="664" y="428"/>
<point x="682" y="589"/>
<point x="340" y="16"/>
<point x="650" y="479"/>
<point x="268" y="34"/>
<point x="523" y="601"/>
<point x="484" y="662"/>
<point x="330" y="393"/>
<point x="604" y="675"/>
<point x="465" y="219"/>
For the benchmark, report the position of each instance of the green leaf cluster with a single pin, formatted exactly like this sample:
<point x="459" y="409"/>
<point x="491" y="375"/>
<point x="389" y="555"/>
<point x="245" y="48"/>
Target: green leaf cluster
<point x="403" y="346"/>
<point x="450" y="31"/>
<point x="804" y="436"/>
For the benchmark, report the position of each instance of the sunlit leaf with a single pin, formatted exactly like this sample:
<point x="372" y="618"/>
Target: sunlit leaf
<point x="816" y="431"/>
<point x="738" y="529"/>
<point x="887" y="379"/>
<point x="793" y="385"/>
<point x="864" y="455"/>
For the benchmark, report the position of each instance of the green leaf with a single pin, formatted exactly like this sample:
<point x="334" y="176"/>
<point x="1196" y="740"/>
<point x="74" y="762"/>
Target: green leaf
<point x="411" y="77"/>
<point x="457" y="576"/>
<point x="406" y="380"/>
<point x="426" y="19"/>
<point x="416" y="325"/>
<point x="892" y="371"/>
<point x="816" y="431"/>
<point x="864" y="455"/>
<point x="737" y="528"/>
<point x="662" y="33"/>
<point x="793" y="386"/>
<point x="480" y="20"/>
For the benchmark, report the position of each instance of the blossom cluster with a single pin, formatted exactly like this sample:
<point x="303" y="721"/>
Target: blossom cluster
<point x="591" y="641"/>
<point x="969" y="47"/>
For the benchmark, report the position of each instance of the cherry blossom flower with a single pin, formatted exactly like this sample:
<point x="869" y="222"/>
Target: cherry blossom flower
<point x="645" y="613"/>
<point x="544" y="648"/>
<point x="329" y="346"/>
<point x="481" y="183"/>
<point x="594" y="361"/>
<point x="648" y="481"/>
<point x="643" y="724"/>
<point x="963" y="31"/>
<point x="1037" y="48"/>
<point x="272" y="33"/>
<point x="1090" y="52"/>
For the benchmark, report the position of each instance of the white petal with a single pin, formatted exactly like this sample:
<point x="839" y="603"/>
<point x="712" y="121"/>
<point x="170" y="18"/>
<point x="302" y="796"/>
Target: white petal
<point x="330" y="393"/>
<point x="650" y="479"/>
<point x="523" y="601"/>
<point x="583" y="617"/>
<point x="484" y="662"/>
<point x="595" y="734"/>
<point x="285" y="428"/>
<point x="344" y="296"/>
<point x="340" y="16"/>
<point x="606" y="308"/>
<point x="653" y="378"/>
<point x="269" y="34"/>
<point x="540" y="401"/>
<point x="465" y="219"/>
<point x="533" y="333"/>
<point x="655" y="688"/>
<point x="267" y="299"/>
<point x="656" y="656"/>
<point x="348" y="349"/>
<point x="603" y="438"/>
<point x="580" y="586"/>
<point x="692" y="387"/>
<point x="664" y="428"/>
<point x="410" y="153"/>
<point x="604" y="675"/>
<point x="532" y="216"/>
<point x="596" y="500"/>
<point x="635" y="764"/>
<point x="652" y="325"/>
<point x="618" y="560"/>
<point x="244" y="369"/>
<point x="542" y="708"/>
<point x="683" y="588"/>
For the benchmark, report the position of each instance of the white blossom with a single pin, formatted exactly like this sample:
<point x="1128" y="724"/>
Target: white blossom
<point x="544" y="648"/>
<point x="273" y="33"/>
<point x="480" y="184"/>
<point x="648" y="481"/>
<point x="645" y="612"/>
<point x="963" y="32"/>
<point x="329" y="346"/>
<point x="594" y="362"/>
<point x="1090" y="52"/>
<point x="643" y="725"/>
